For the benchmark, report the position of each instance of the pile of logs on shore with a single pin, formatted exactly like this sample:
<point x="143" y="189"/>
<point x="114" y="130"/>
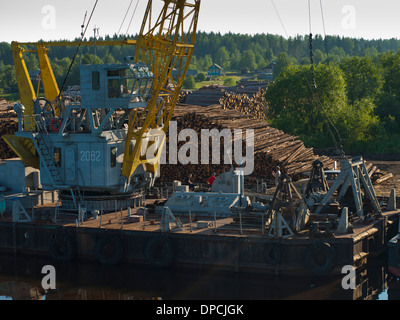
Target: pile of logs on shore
<point x="272" y="147"/>
<point x="249" y="87"/>
<point x="8" y="126"/>
<point x="205" y="96"/>
<point x="255" y="106"/>
<point x="211" y="94"/>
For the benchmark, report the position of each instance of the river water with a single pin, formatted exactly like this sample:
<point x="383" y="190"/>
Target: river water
<point x="21" y="279"/>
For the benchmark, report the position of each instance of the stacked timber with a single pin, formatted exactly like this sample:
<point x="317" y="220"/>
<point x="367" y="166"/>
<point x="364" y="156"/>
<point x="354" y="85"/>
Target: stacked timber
<point x="8" y="126"/>
<point x="249" y="87"/>
<point x="205" y="96"/>
<point x="5" y="105"/>
<point x="211" y="94"/>
<point x="254" y="105"/>
<point x="182" y="96"/>
<point x="272" y="147"/>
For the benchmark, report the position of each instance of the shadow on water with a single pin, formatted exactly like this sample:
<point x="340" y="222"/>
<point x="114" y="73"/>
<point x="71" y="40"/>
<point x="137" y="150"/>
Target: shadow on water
<point x="21" y="277"/>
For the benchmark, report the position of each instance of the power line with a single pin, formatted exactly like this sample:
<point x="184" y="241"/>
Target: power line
<point x="315" y="97"/>
<point x="323" y="25"/>
<point x="309" y="15"/>
<point x="133" y="14"/>
<point x="123" y="21"/>
<point x="279" y="17"/>
<point x="77" y="49"/>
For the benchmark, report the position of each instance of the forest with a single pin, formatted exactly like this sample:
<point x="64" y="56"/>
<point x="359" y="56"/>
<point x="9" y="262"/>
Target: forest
<point x="349" y="96"/>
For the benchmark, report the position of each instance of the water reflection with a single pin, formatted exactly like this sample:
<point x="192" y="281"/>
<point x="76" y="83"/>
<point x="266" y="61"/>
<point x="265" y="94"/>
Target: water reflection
<point x="20" y="279"/>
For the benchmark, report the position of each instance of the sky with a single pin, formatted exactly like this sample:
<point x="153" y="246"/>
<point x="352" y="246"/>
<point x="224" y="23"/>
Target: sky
<point x="29" y="21"/>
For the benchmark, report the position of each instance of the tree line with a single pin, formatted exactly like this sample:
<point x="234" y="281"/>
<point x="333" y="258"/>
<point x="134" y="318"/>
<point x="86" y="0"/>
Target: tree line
<point x="233" y="52"/>
<point x="353" y="105"/>
<point x="355" y="101"/>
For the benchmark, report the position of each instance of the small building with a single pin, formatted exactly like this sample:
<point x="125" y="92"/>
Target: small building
<point x="270" y="68"/>
<point x="215" y="70"/>
<point x="269" y="76"/>
<point x="268" y="73"/>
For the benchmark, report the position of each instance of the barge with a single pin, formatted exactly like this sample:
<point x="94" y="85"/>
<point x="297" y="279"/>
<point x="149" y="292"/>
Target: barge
<point x="137" y="237"/>
<point x="101" y="151"/>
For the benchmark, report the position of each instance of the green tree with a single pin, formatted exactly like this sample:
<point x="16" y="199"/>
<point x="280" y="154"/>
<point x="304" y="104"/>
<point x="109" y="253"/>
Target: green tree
<point x="222" y="58"/>
<point x="189" y="83"/>
<point x="389" y="100"/>
<point x="229" y="82"/>
<point x="359" y="123"/>
<point x="201" y="76"/>
<point x="282" y="62"/>
<point x="204" y="63"/>
<point x="9" y="78"/>
<point x="362" y="77"/>
<point x="300" y="110"/>
<point x="235" y="60"/>
<point x="248" y="61"/>
<point x="319" y="56"/>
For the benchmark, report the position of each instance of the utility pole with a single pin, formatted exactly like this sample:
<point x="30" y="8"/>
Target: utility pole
<point x="96" y="34"/>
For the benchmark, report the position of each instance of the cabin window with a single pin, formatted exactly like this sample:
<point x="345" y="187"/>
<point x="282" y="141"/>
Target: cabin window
<point x="126" y="87"/>
<point x="57" y="157"/>
<point x="114" y="89"/>
<point x="113" y="73"/>
<point x="96" y="80"/>
<point x="113" y="157"/>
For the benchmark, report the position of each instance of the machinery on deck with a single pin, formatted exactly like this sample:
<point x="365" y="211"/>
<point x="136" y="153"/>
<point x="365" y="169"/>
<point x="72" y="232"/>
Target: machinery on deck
<point x="109" y="143"/>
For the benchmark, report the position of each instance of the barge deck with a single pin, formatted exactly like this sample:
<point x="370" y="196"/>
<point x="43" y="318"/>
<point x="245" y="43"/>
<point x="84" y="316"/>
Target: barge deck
<point x="136" y="238"/>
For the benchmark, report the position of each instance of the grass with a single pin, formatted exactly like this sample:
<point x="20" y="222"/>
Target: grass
<point x="10" y="97"/>
<point x="216" y="80"/>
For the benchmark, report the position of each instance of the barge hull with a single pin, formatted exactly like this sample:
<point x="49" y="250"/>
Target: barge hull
<point x="205" y="250"/>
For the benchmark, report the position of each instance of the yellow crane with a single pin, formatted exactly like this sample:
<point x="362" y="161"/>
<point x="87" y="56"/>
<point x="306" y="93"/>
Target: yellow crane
<point x="164" y="44"/>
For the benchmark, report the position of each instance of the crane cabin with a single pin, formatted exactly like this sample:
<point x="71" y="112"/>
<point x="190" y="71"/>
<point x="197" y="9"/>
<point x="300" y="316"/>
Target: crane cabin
<point x="82" y="143"/>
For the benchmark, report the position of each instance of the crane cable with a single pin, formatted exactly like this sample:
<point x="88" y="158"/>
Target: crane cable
<point x="77" y="49"/>
<point x="123" y="21"/>
<point x="311" y="47"/>
<point x="328" y="121"/>
<point x="130" y="22"/>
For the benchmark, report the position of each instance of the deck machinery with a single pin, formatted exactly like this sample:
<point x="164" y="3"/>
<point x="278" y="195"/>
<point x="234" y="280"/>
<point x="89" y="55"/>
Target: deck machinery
<point x="107" y="145"/>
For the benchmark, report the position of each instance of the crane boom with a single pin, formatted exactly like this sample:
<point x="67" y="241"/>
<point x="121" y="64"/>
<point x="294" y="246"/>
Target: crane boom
<point x="142" y="93"/>
<point x="168" y="45"/>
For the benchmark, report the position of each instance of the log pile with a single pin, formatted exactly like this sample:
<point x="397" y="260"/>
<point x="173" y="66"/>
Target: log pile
<point x="249" y="87"/>
<point x="272" y="147"/>
<point x="5" y="105"/>
<point x="211" y="94"/>
<point x="205" y="96"/>
<point x="255" y="105"/>
<point x="8" y="125"/>
<point x="182" y="96"/>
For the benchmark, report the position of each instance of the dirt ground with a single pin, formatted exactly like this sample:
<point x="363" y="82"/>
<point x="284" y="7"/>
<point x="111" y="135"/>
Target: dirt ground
<point x="384" y="188"/>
